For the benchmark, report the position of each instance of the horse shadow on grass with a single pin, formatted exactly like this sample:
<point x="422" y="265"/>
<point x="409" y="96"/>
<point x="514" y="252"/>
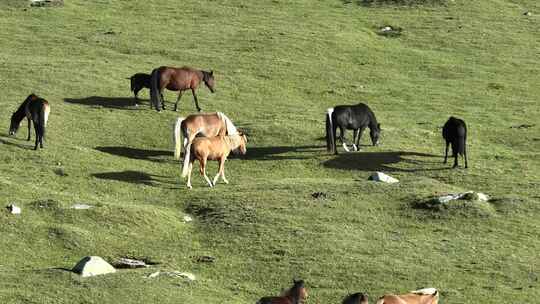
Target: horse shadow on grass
<point x="3" y="141"/>
<point x="382" y="161"/>
<point x="281" y="152"/>
<point x="131" y="176"/>
<point x="124" y="103"/>
<point x="135" y="153"/>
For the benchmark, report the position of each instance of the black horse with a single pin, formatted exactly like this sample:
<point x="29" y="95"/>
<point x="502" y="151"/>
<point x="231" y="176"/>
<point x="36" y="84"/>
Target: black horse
<point x="455" y="133"/>
<point x="36" y="110"/>
<point x="138" y="82"/>
<point x="356" y="298"/>
<point x="353" y="117"/>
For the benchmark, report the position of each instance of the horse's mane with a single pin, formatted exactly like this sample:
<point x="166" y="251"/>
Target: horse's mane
<point x="231" y="129"/>
<point x="25" y="102"/>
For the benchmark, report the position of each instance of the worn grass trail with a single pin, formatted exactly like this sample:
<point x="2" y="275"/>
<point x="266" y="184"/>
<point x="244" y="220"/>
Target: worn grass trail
<point x="279" y="65"/>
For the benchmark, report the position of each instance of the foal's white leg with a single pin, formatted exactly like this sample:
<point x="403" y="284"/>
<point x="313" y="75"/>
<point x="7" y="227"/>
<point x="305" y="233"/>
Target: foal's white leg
<point x="222" y="171"/>
<point x="223" y="177"/>
<point x="345" y="147"/>
<point x="203" y="171"/>
<point x="189" y="176"/>
<point x="208" y="180"/>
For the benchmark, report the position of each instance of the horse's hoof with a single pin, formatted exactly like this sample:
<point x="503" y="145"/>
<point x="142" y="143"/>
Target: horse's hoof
<point x="189" y="187"/>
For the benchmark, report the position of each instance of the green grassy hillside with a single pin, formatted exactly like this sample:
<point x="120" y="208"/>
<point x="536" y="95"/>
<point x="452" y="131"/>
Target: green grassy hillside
<point x="278" y="66"/>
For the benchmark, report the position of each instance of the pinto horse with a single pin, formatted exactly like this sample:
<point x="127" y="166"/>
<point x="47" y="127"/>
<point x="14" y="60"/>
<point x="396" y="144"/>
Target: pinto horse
<point x="36" y="110"/>
<point x="295" y="295"/>
<point x="455" y="133"/>
<point x="356" y="298"/>
<point x="177" y="79"/>
<point x="202" y="124"/>
<point x="212" y="148"/>
<point x="352" y="117"/>
<point x="422" y="296"/>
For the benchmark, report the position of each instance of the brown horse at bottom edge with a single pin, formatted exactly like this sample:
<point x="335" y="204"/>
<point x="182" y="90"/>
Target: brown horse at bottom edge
<point x="295" y="295"/>
<point x="422" y="296"/>
<point x="212" y="148"/>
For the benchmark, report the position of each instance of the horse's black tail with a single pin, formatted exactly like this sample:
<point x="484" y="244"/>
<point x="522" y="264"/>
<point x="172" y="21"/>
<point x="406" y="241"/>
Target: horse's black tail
<point x="42" y="116"/>
<point x="155" y="90"/>
<point x="329" y="130"/>
<point x="459" y="148"/>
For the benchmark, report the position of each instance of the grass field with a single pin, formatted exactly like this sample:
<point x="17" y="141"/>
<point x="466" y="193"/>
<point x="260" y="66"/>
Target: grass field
<point x="278" y="65"/>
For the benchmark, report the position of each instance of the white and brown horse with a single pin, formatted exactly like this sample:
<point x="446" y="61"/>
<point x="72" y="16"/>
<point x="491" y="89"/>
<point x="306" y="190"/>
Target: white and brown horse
<point x="203" y="124"/>
<point x="422" y="296"/>
<point x="212" y="148"/>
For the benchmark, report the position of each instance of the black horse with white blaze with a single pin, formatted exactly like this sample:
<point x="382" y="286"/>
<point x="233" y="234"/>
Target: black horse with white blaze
<point x="350" y="117"/>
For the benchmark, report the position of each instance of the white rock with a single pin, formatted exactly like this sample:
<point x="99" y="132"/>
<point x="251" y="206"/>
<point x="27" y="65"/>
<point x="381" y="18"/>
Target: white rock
<point x="14" y="209"/>
<point x="187" y="218"/>
<point x="386" y="29"/>
<point x="381" y="177"/>
<point x="482" y="197"/>
<point x="188" y="275"/>
<point x="153" y="274"/>
<point x="92" y="266"/>
<point x="81" y="206"/>
<point x="130" y="263"/>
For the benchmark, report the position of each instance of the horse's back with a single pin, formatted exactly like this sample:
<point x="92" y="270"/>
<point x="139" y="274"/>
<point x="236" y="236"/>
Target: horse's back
<point x="352" y="116"/>
<point x="454" y="128"/>
<point x="274" y="300"/>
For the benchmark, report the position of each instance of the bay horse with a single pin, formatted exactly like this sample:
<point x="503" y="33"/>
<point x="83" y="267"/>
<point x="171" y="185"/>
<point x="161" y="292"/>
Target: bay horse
<point x="455" y="133"/>
<point x="356" y="298"/>
<point x="138" y="82"/>
<point x="422" y="296"/>
<point x="351" y="117"/>
<point x="177" y="79"/>
<point x="36" y="110"/>
<point x="201" y="124"/>
<point x="212" y="148"/>
<point x="295" y="295"/>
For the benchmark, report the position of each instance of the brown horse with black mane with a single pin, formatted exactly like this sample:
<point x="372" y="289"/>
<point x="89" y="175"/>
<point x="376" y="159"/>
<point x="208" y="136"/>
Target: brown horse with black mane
<point x="296" y="295"/>
<point x="36" y="110"/>
<point x="177" y="79"/>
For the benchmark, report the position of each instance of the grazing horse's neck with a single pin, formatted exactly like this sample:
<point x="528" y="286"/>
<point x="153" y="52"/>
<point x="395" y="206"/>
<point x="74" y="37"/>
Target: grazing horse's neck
<point x="21" y="111"/>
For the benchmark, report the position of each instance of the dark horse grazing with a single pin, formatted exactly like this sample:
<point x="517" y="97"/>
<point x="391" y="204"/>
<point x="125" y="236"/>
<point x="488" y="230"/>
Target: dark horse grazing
<point x="356" y="298"/>
<point x="36" y="110"/>
<point x="455" y="133"/>
<point x="353" y="117"/>
<point x="177" y="79"/>
<point x="296" y="295"/>
<point x="138" y="82"/>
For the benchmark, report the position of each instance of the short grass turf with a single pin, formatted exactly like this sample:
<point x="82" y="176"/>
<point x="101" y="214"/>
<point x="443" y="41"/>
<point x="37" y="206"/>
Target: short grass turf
<point x="279" y="65"/>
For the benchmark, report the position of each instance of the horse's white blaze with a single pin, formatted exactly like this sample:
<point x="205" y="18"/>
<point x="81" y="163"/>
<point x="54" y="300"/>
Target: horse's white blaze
<point x="46" y="112"/>
<point x="425" y="291"/>
<point x="345" y="147"/>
